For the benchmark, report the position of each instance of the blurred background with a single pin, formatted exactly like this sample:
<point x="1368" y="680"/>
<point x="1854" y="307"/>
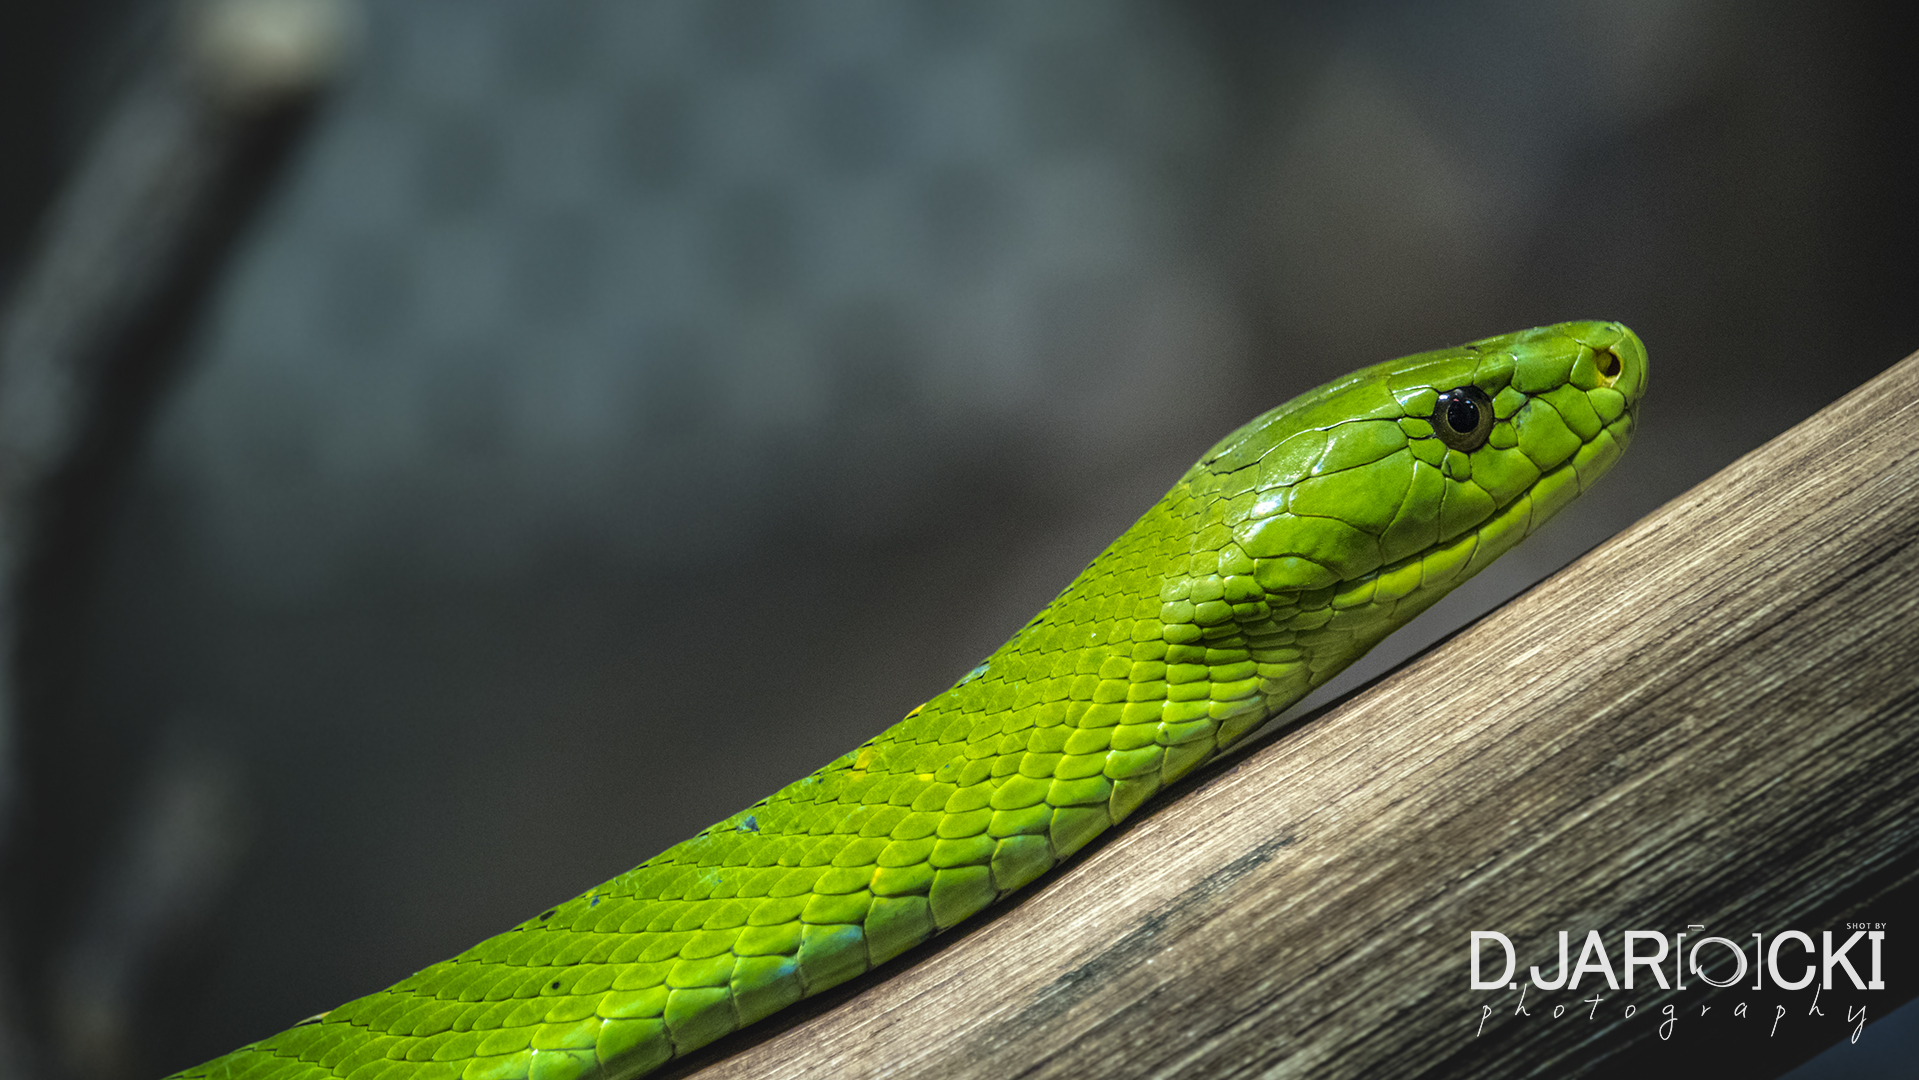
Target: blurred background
<point x="604" y="413"/>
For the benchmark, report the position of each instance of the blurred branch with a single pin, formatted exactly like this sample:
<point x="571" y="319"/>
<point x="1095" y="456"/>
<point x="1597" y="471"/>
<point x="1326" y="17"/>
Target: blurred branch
<point x="1712" y="719"/>
<point x="92" y="338"/>
<point x="186" y="831"/>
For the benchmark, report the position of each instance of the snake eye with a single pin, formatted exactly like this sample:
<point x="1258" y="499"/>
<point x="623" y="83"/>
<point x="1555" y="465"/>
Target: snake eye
<point x="1463" y="417"/>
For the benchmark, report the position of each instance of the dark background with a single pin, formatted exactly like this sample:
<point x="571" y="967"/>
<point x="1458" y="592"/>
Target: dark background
<point x="623" y="409"/>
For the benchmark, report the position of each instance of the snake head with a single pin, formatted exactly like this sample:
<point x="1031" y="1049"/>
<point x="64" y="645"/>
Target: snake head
<point x="1396" y="483"/>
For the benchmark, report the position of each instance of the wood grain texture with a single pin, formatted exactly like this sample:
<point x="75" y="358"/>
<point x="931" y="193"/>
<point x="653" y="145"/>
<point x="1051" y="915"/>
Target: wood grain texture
<point x="1711" y="719"/>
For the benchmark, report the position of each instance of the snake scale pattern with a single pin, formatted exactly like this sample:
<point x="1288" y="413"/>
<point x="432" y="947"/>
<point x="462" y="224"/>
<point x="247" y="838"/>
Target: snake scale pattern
<point x="1292" y="547"/>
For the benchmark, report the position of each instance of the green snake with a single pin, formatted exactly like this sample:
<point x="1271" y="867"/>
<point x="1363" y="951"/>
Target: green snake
<point x="1293" y="546"/>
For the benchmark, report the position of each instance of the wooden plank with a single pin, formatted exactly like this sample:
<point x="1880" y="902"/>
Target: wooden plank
<point x="1710" y="720"/>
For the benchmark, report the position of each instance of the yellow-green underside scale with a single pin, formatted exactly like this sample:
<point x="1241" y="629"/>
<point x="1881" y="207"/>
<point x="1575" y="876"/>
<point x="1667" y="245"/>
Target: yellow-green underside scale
<point x="1291" y="548"/>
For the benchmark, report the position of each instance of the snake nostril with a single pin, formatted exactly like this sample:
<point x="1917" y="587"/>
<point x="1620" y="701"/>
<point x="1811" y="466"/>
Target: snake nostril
<point x="1608" y="362"/>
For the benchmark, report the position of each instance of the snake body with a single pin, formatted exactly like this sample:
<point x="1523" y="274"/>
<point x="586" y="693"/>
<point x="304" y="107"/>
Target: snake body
<point x="1294" y="545"/>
